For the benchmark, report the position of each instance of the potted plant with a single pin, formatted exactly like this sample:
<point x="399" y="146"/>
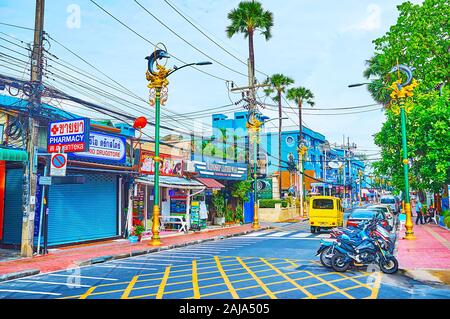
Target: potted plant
<point x="229" y="216"/>
<point x="218" y="202"/>
<point x="137" y="233"/>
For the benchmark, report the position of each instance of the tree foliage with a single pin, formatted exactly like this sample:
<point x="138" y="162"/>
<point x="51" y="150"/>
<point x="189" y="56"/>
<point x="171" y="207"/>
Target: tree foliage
<point x="420" y="39"/>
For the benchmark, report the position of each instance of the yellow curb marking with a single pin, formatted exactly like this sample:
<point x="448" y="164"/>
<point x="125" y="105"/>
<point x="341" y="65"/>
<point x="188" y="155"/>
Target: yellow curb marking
<point x="130" y="286"/>
<point x="261" y="284"/>
<point x="163" y="283"/>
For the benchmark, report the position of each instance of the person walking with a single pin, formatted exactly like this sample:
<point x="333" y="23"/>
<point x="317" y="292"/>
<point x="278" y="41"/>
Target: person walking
<point x="419" y="212"/>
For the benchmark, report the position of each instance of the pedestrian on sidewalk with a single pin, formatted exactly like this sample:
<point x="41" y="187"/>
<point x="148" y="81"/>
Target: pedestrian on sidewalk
<point x="431" y="212"/>
<point x="419" y="212"/>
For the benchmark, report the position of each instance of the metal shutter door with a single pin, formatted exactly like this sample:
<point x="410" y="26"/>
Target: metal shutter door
<point x="12" y="222"/>
<point x="81" y="212"/>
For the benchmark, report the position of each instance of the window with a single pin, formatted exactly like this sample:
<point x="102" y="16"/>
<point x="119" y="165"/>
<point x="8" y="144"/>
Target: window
<point x="323" y="204"/>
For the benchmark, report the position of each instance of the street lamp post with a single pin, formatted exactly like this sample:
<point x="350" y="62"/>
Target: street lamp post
<point x="400" y="104"/>
<point x="158" y="88"/>
<point x="360" y="173"/>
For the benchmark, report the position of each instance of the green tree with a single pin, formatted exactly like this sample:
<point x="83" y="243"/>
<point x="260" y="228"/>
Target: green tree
<point x="247" y="18"/>
<point x="420" y="38"/>
<point x="278" y="84"/>
<point x="300" y="95"/>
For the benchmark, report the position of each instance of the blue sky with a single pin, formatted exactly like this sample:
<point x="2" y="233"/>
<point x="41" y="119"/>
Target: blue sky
<point x="321" y="44"/>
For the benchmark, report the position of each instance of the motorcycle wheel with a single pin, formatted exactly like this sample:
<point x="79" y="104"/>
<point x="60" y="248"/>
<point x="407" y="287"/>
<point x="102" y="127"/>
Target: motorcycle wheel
<point x="389" y="266"/>
<point x="324" y="259"/>
<point x="338" y="263"/>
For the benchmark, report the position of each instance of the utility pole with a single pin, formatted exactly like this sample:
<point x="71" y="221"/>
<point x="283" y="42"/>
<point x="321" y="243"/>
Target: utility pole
<point x="253" y="126"/>
<point x="345" y="166"/>
<point x="29" y="191"/>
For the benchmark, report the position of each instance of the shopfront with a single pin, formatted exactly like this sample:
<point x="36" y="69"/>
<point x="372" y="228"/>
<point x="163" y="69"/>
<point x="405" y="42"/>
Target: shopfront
<point x="87" y="204"/>
<point x="178" y="195"/>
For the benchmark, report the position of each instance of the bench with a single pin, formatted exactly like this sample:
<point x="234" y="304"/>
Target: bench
<point x="173" y="220"/>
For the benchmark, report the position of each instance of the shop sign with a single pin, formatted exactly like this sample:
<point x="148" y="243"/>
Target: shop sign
<point x="68" y="136"/>
<point x="106" y="147"/>
<point x="168" y="166"/>
<point x="220" y="171"/>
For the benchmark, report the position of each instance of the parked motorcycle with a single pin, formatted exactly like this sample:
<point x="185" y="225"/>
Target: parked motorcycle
<point x="355" y="235"/>
<point x="369" y="248"/>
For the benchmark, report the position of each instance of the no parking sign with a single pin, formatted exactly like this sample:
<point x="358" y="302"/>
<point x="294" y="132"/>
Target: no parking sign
<point x="58" y="164"/>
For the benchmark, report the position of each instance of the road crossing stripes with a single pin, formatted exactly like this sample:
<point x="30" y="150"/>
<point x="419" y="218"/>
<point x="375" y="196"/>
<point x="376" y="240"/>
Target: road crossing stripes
<point x="295" y="234"/>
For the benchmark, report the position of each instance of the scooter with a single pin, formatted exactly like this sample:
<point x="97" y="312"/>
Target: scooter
<point x="368" y="251"/>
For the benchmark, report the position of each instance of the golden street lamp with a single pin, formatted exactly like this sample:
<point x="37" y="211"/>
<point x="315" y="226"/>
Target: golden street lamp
<point x="158" y="95"/>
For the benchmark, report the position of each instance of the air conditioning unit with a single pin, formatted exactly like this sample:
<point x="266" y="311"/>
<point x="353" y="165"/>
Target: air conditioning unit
<point x="189" y="166"/>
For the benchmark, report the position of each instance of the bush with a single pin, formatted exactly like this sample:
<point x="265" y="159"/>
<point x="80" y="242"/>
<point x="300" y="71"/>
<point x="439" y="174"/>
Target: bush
<point x="270" y="203"/>
<point x="445" y="213"/>
<point x="447" y="221"/>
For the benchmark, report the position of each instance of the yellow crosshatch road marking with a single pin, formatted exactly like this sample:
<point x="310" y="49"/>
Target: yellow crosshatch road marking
<point x="163" y="283"/>
<point x="306" y="292"/>
<point x="327" y="283"/>
<point x="87" y="293"/>
<point x="226" y="272"/>
<point x="225" y="279"/>
<point x="195" y="280"/>
<point x="261" y="284"/>
<point x="127" y="291"/>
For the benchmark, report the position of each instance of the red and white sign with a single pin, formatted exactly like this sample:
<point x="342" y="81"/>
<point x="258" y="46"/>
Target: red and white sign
<point x="58" y="164"/>
<point x="68" y="136"/>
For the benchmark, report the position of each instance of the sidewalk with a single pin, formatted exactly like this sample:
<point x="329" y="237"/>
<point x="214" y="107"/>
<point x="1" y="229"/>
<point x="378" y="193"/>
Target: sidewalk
<point x="63" y="258"/>
<point x="430" y="249"/>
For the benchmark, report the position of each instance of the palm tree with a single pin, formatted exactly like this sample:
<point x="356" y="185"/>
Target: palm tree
<point x="278" y="84"/>
<point x="247" y="18"/>
<point x="300" y="95"/>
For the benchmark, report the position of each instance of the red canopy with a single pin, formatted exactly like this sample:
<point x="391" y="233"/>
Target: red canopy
<point x="210" y="183"/>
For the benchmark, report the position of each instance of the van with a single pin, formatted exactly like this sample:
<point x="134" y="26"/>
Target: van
<point x="391" y="201"/>
<point x="325" y="212"/>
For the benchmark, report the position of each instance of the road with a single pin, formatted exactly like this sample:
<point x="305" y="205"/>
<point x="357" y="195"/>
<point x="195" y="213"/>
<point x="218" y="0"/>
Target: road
<point x="277" y="263"/>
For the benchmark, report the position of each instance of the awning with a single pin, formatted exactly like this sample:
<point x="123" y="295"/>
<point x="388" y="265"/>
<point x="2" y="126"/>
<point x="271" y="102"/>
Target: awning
<point x="14" y="155"/>
<point x="171" y="181"/>
<point x="210" y="183"/>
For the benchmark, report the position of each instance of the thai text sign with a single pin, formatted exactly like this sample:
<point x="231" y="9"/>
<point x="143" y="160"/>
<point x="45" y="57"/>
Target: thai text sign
<point x="68" y="136"/>
<point x="106" y="147"/>
<point x="168" y="166"/>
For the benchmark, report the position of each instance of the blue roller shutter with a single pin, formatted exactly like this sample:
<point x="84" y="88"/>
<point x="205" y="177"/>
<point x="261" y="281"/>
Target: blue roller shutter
<point x="12" y="222"/>
<point x="82" y="212"/>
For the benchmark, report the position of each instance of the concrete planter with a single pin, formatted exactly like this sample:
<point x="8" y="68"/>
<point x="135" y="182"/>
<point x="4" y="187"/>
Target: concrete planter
<point x="278" y="214"/>
<point x="219" y="221"/>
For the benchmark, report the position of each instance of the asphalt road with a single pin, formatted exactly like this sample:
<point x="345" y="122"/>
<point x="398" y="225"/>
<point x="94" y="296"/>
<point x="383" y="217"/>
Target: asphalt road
<point x="278" y="263"/>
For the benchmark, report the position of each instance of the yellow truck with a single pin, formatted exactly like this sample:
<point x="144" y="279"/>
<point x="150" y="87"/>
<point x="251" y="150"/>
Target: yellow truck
<point x="325" y="212"/>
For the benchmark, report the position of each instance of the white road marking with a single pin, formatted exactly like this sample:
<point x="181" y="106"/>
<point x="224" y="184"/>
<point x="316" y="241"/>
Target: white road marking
<point x="256" y="234"/>
<point x="279" y="234"/>
<point x="122" y="267"/>
<point x="83" y="277"/>
<point x="323" y="236"/>
<point x="31" y="292"/>
<point x="138" y="263"/>
<point x="52" y="283"/>
<point x="301" y="235"/>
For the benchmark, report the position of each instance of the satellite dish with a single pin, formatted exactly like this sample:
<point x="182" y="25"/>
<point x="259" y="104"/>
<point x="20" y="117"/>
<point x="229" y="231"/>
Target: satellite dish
<point x="333" y="164"/>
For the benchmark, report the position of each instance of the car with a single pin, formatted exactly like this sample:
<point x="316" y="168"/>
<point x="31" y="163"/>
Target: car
<point x="386" y="209"/>
<point x="391" y="201"/>
<point x="364" y="214"/>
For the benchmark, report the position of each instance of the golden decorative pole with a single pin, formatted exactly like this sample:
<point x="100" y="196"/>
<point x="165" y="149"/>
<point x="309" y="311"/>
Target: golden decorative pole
<point x="401" y="103"/>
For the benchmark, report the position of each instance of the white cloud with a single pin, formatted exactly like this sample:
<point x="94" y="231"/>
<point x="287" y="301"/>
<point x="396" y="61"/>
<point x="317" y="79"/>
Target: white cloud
<point x="371" y="23"/>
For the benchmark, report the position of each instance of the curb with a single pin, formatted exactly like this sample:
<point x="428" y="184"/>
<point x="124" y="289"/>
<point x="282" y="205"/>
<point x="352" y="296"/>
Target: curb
<point x="19" y="274"/>
<point x="422" y="276"/>
<point x="103" y="259"/>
